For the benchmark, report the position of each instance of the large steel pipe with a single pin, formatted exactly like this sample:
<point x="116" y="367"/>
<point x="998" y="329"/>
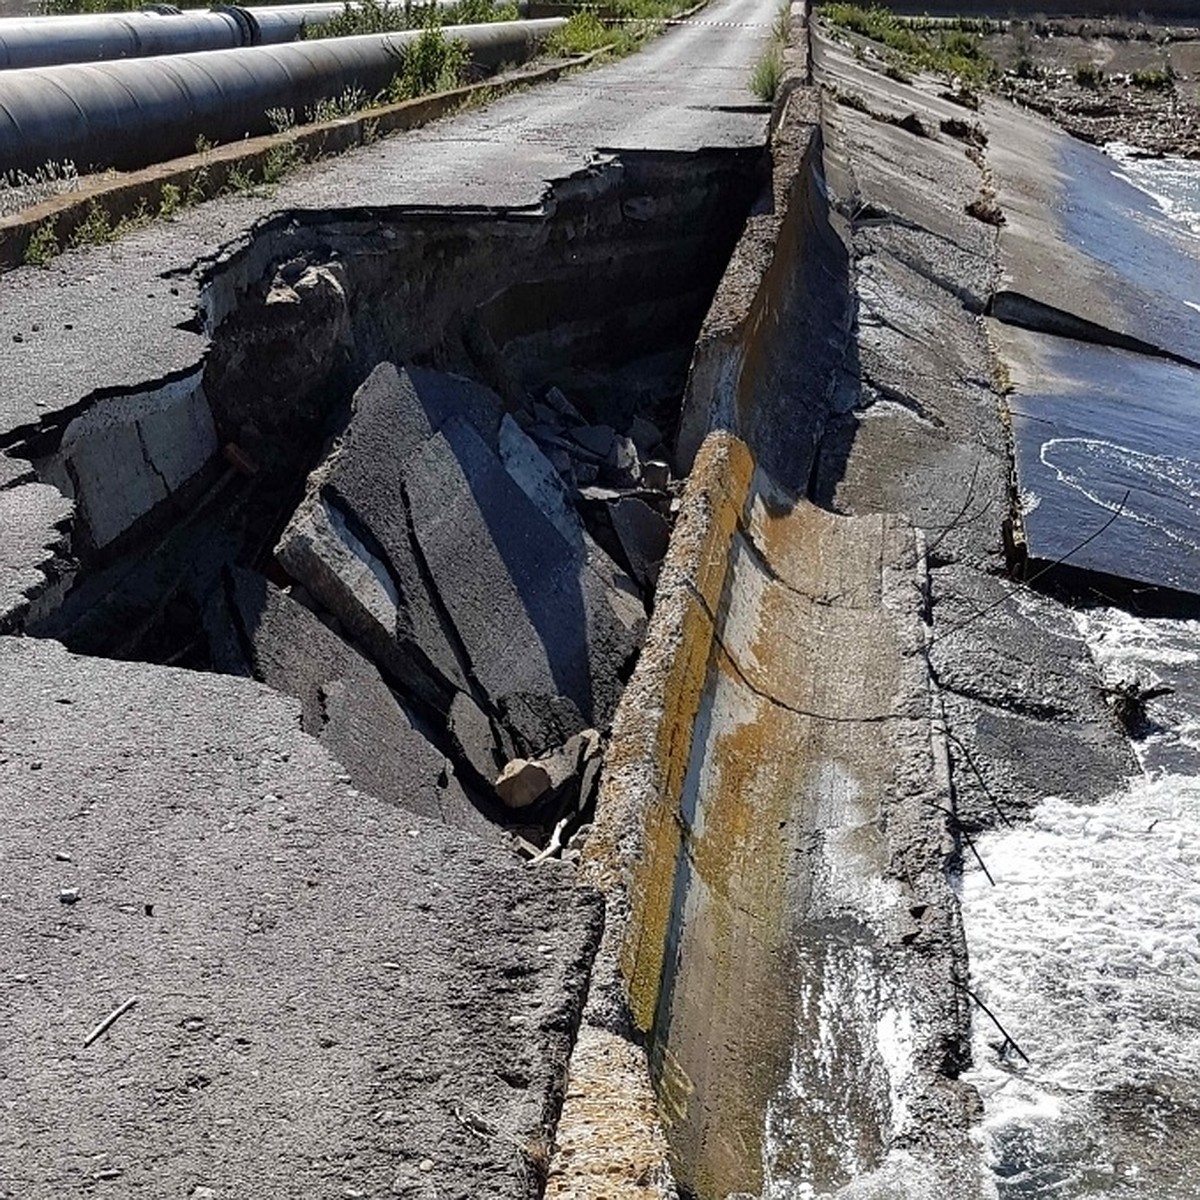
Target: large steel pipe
<point x="131" y="113"/>
<point x="98" y="37"/>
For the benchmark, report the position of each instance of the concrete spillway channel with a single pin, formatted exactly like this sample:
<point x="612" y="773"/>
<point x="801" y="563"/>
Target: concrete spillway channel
<point x="375" y="514"/>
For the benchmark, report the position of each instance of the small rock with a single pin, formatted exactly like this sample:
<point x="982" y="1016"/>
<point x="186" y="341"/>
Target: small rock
<point x="656" y="474"/>
<point x="561" y="405"/>
<point x="623" y="462"/>
<point x="545" y="415"/>
<point x="62" y="856"/>
<point x="645" y="434"/>
<point x="426" y="1164"/>
<point x="204" y="1193"/>
<point x="116" y="1173"/>
<point x="68" y="896"/>
<point x="522" y="783"/>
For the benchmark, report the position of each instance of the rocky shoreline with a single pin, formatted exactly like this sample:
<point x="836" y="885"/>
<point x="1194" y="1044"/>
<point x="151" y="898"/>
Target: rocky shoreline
<point x="1155" y="123"/>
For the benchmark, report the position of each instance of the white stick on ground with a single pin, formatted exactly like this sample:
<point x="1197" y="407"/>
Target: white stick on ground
<point x="120" y="1011"/>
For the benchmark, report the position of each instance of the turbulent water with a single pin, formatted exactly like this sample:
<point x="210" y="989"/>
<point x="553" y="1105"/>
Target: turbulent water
<point x="1173" y="183"/>
<point x="1087" y="951"/>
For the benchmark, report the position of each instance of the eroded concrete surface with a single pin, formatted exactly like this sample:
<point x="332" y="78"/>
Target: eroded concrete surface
<point x="396" y="447"/>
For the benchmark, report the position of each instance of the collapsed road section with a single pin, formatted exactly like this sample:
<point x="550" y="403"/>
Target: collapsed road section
<point x="399" y="456"/>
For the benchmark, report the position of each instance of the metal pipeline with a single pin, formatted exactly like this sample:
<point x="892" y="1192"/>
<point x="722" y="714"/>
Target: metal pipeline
<point x="131" y="113"/>
<point x="97" y="37"/>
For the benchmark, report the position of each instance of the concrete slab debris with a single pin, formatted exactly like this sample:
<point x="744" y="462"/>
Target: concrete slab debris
<point x="454" y="578"/>
<point x="345" y="703"/>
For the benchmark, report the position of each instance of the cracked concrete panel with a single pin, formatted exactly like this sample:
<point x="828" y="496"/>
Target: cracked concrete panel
<point x="127" y="454"/>
<point x="1084" y="252"/>
<point x="346" y="705"/>
<point x="1105" y="443"/>
<point x="1022" y="701"/>
<point x="334" y="996"/>
<point x="34" y="544"/>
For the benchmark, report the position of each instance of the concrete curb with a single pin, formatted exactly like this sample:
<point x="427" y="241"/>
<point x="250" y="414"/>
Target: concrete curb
<point x="202" y="176"/>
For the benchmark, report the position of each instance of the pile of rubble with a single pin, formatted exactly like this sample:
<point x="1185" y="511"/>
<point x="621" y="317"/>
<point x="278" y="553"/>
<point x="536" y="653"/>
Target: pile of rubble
<point x="464" y="593"/>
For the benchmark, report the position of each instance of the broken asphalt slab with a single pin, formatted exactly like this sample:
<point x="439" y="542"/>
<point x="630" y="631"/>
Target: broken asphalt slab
<point x="334" y="997"/>
<point x="345" y="703"/>
<point x="416" y="537"/>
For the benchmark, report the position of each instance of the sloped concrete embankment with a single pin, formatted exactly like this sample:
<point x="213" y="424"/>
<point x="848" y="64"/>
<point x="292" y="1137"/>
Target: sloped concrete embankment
<point x="770" y="828"/>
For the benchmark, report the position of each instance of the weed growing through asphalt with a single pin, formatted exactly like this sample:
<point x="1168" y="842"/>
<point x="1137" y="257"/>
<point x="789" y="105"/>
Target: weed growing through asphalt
<point x="767" y="75"/>
<point x="43" y="246"/>
<point x="170" y="201"/>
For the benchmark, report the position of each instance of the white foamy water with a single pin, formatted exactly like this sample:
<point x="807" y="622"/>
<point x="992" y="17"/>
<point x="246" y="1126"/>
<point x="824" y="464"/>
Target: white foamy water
<point x="1172" y="183"/>
<point x="1087" y="950"/>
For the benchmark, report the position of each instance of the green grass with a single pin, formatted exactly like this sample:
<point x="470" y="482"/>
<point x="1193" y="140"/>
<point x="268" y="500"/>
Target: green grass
<point x="1154" y="79"/>
<point x="767" y="75"/>
<point x="43" y="246"/>
<point x="1089" y="75"/>
<point x="380" y="16"/>
<point x="941" y="48"/>
<point x="583" y="33"/>
<point x="432" y="63"/>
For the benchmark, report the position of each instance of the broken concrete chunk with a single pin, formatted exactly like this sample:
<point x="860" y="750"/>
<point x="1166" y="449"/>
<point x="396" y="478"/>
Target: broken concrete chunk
<point x="623" y="465"/>
<point x="523" y="783"/>
<point x="539" y="721"/>
<point x="644" y="434"/>
<point x="561" y="405"/>
<point x="537" y="478"/>
<point x="345" y="703"/>
<point x="597" y="439"/>
<point x="34" y="547"/>
<point x="656" y="475"/>
<point x="532" y="617"/>
<point x="462" y="574"/>
<point x="643" y="535"/>
<point x="474" y="738"/>
<point x="526" y="781"/>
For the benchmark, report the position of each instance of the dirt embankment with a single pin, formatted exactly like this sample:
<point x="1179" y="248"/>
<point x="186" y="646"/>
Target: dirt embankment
<point x="1107" y="81"/>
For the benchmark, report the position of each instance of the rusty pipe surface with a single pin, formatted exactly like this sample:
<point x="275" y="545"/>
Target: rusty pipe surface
<point x="97" y="37"/>
<point x="128" y="114"/>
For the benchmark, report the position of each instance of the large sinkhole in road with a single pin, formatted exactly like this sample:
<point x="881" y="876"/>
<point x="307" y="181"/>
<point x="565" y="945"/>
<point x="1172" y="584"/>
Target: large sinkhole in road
<point x="419" y="482"/>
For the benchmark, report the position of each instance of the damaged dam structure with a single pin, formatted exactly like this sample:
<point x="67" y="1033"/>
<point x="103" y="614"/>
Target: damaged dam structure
<point x="528" y="653"/>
